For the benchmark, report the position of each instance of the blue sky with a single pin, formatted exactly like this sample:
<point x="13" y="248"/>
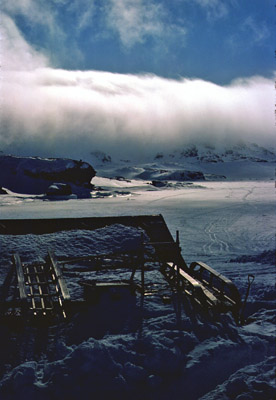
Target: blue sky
<point x="213" y="52"/>
<point x="210" y="39"/>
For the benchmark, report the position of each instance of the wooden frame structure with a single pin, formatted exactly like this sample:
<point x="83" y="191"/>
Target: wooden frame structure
<point x="43" y="290"/>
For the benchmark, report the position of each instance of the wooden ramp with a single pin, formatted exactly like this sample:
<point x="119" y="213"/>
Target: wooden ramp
<point x="42" y="288"/>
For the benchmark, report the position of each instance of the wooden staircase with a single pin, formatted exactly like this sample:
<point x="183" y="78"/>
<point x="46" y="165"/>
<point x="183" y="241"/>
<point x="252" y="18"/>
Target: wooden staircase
<point x="201" y="283"/>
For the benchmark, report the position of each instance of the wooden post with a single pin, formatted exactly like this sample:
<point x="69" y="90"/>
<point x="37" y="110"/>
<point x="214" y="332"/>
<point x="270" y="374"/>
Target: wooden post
<point x="142" y="264"/>
<point x="177" y="237"/>
<point x="177" y="260"/>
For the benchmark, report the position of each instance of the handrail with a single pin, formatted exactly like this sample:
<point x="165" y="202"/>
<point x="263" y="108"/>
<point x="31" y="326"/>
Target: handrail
<point x="20" y="277"/>
<point x="58" y="273"/>
<point x="225" y="283"/>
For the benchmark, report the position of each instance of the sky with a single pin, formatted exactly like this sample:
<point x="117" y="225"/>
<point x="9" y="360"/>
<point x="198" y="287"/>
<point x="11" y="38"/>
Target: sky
<point x="132" y="76"/>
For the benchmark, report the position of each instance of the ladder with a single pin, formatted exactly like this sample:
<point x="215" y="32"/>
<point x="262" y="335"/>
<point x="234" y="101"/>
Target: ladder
<point x="42" y="289"/>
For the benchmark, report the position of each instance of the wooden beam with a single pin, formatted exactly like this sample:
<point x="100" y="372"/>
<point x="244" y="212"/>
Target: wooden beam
<point x="20" y="277"/>
<point x="58" y="273"/>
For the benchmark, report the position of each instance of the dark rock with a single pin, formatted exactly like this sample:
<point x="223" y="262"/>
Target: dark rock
<point x="235" y="387"/>
<point x="122" y="179"/>
<point x="3" y="191"/>
<point x="159" y="183"/>
<point x="59" y="189"/>
<point x="192" y="151"/>
<point x="33" y="175"/>
<point x="104" y="158"/>
<point x="185" y="176"/>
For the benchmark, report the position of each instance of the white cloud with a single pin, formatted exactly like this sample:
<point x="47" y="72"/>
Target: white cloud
<point x="249" y="34"/>
<point x="45" y="13"/>
<point x="215" y="8"/>
<point x="36" y="11"/>
<point x="16" y="53"/>
<point x="83" y="12"/>
<point x="136" y="20"/>
<point x="258" y="31"/>
<point x="132" y="21"/>
<point x="44" y="20"/>
<point x="57" y="112"/>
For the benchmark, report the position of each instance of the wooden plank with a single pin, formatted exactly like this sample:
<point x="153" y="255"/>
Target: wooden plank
<point x="58" y="273"/>
<point x="20" y="277"/>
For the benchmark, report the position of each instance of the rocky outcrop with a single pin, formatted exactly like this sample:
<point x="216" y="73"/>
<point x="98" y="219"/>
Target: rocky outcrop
<point x="59" y="189"/>
<point x="171" y="175"/>
<point x="185" y="176"/>
<point x="159" y="184"/>
<point x="33" y="175"/>
<point x="3" y="191"/>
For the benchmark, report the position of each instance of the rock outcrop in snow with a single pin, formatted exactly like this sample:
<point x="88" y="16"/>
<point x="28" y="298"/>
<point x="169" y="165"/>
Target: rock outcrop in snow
<point x="171" y="175"/>
<point x="3" y="191"/>
<point x="33" y="175"/>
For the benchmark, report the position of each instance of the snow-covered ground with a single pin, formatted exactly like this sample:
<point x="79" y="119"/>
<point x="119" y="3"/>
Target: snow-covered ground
<point x="154" y="350"/>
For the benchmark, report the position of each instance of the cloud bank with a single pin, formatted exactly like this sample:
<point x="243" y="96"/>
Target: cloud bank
<point x="56" y="112"/>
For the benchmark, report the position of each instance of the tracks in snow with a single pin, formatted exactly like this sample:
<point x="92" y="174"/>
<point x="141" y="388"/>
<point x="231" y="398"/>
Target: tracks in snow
<point x="216" y="232"/>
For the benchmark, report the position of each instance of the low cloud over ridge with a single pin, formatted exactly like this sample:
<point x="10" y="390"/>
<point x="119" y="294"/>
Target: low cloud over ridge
<point x="54" y="112"/>
<point x="58" y="112"/>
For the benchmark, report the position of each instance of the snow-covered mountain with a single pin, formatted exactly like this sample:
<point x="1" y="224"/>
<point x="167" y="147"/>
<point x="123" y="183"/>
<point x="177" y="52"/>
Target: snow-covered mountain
<point x="238" y="161"/>
<point x="221" y="153"/>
